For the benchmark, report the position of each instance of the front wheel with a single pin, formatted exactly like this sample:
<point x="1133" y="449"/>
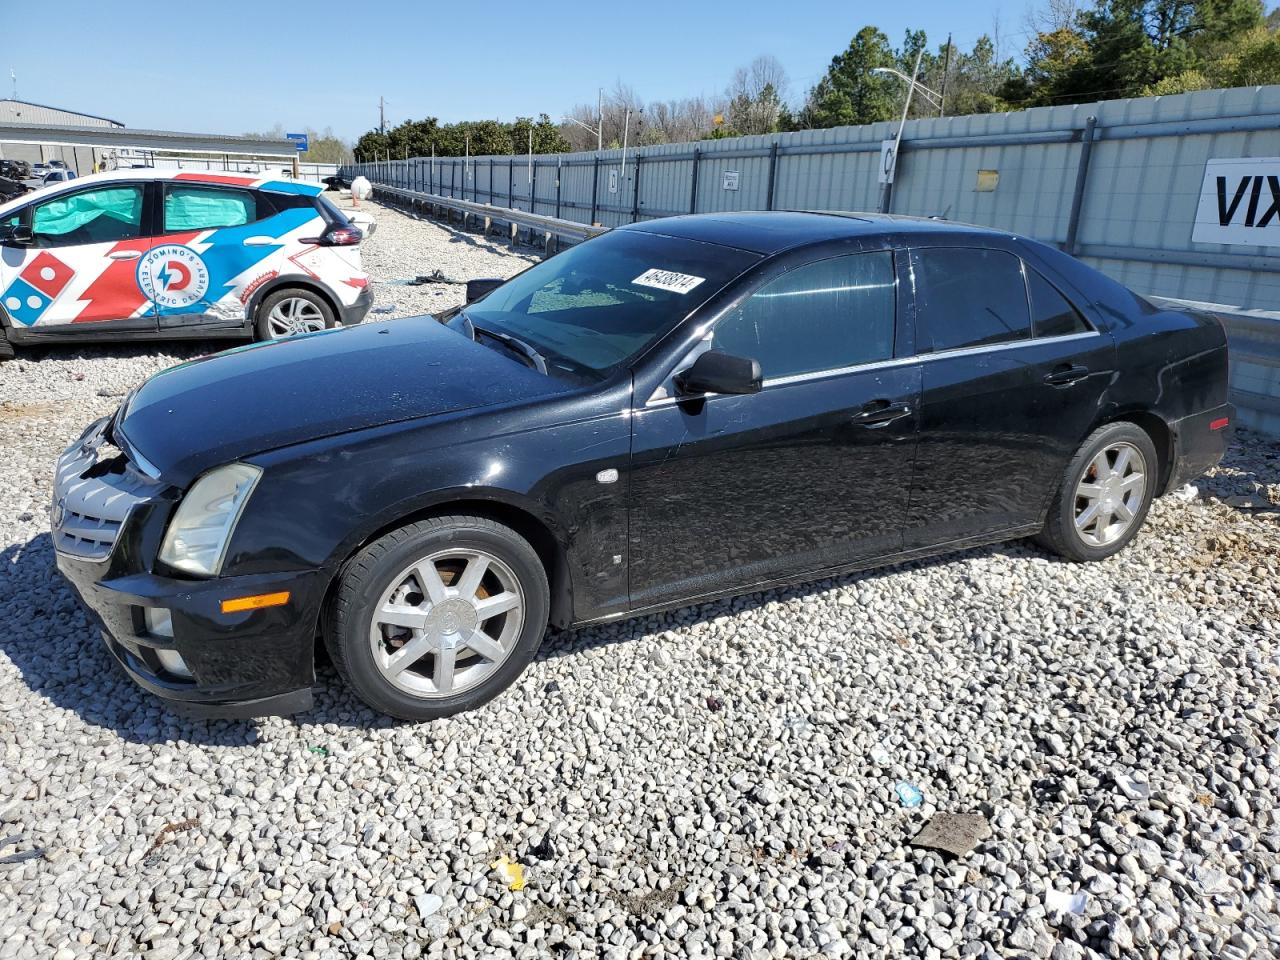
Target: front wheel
<point x="438" y="617"/>
<point x="290" y="312"/>
<point x="1104" y="495"/>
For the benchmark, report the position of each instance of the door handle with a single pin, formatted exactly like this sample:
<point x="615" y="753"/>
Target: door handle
<point x="125" y="255"/>
<point x="1064" y="375"/>
<point x="881" y="413"/>
<point x="258" y="241"/>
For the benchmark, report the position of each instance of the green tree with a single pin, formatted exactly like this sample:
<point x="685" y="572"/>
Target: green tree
<point x="850" y="93"/>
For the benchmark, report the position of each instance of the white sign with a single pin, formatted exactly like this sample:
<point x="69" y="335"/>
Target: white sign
<point x="668" y="280"/>
<point x="613" y="179"/>
<point x="729" y="180"/>
<point x="1239" y="202"/>
<point x="888" y="160"/>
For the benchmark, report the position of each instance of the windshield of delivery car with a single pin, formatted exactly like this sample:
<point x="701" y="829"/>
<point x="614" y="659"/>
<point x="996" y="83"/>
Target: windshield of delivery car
<point x="600" y="303"/>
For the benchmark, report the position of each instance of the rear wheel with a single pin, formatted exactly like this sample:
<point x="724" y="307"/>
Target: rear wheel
<point x="290" y="312"/>
<point x="438" y="617"/>
<point x="1104" y="495"/>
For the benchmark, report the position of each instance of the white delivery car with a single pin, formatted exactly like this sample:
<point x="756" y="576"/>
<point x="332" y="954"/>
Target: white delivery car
<point x="160" y="254"/>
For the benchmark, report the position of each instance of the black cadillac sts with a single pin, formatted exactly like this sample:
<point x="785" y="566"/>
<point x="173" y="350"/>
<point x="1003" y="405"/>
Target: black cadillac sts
<point x="674" y="411"/>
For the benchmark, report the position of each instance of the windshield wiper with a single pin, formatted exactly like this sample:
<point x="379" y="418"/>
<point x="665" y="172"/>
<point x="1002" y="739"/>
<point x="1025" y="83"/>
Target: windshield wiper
<point x="515" y="345"/>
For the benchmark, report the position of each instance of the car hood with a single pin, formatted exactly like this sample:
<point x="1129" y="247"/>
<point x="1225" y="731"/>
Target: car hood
<point x="228" y="406"/>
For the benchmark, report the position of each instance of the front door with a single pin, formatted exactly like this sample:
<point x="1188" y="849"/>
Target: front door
<point x="1013" y="376"/>
<point x="812" y="472"/>
<point x="79" y="271"/>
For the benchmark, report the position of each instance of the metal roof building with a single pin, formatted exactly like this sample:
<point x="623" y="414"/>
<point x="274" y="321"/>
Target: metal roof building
<point x="20" y="111"/>
<point x="77" y="158"/>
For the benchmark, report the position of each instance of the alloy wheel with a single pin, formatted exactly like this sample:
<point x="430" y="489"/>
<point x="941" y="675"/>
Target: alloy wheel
<point x="292" y="316"/>
<point x="1110" y="493"/>
<point x="447" y="622"/>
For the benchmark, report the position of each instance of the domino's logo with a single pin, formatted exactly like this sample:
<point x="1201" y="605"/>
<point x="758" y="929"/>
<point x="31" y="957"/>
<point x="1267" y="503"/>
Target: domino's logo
<point x="173" y="276"/>
<point x="34" y="290"/>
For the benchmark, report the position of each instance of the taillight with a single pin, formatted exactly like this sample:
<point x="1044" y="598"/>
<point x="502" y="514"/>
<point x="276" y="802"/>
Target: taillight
<point x="341" y="237"/>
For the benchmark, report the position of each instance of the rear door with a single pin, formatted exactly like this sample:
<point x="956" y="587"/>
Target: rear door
<point x="209" y="238"/>
<point x="79" y="273"/>
<point x="1013" y="377"/>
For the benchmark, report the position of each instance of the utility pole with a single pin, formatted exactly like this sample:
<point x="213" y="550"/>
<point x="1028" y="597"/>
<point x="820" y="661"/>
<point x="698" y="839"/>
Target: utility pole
<point x="382" y="116"/>
<point x="599" y="118"/>
<point x="946" y="69"/>
<point x="13" y="75"/>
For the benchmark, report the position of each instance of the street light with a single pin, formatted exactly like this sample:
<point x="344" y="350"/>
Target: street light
<point x="913" y="84"/>
<point x="598" y="131"/>
<point x="932" y="96"/>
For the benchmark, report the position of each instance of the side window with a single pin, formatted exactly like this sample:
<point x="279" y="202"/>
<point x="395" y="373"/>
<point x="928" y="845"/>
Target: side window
<point x="92" y="216"/>
<point x="820" y="316"/>
<point x="1052" y="314"/>
<point x="204" y="208"/>
<point x="969" y="297"/>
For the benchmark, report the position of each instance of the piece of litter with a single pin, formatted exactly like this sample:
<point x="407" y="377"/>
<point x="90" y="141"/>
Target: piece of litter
<point x="33" y="854"/>
<point x="512" y="873"/>
<point x="1132" y="788"/>
<point x="954" y="833"/>
<point x="1186" y="493"/>
<point x="1065" y="902"/>
<point x="427" y="904"/>
<point x="318" y="751"/>
<point x="385" y="308"/>
<point x="880" y="755"/>
<point x="909" y="794"/>
<point x="715" y="704"/>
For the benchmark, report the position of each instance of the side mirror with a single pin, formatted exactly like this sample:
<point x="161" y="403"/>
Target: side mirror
<point x="717" y="372"/>
<point x="479" y="288"/>
<point x="17" y="236"/>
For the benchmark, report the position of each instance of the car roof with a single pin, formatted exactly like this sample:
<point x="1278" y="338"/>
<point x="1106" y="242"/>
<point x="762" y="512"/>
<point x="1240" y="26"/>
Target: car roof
<point x="772" y="232"/>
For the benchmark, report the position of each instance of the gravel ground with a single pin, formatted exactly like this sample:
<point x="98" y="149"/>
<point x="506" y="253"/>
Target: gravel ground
<point x="721" y="781"/>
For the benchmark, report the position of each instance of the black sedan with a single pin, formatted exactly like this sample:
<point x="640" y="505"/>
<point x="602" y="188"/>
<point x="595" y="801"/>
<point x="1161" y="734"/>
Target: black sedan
<point x="674" y="411"/>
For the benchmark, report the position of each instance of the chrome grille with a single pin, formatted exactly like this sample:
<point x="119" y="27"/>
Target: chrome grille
<point x="91" y="505"/>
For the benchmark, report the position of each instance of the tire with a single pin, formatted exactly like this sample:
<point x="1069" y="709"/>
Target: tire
<point x="384" y="576"/>
<point x="1099" y="456"/>
<point x="309" y="313"/>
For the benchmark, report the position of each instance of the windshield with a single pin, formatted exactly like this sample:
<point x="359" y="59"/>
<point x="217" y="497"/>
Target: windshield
<point x="595" y="306"/>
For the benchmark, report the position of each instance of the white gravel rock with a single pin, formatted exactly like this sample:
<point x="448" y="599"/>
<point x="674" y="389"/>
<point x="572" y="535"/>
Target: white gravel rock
<point x="731" y="799"/>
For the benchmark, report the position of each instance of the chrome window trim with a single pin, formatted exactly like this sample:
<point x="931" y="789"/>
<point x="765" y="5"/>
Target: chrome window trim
<point x="894" y="362"/>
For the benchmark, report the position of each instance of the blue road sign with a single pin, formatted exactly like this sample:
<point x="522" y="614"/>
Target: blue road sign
<point x="300" y="141"/>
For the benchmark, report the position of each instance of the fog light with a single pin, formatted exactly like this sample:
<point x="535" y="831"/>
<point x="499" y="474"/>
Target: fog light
<point x="172" y="661"/>
<point x="159" y="621"/>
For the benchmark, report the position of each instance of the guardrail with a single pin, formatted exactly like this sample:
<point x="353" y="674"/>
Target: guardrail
<point x="552" y="229"/>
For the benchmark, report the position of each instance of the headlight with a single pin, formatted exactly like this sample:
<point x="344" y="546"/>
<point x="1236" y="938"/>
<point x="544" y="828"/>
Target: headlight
<point x="199" y="532"/>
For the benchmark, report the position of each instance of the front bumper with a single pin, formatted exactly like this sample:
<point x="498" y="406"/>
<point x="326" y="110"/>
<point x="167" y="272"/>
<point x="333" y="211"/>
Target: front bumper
<point x="1199" y="443"/>
<point x="108" y="520"/>
<point x="356" y="313"/>
<point x="247" y="664"/>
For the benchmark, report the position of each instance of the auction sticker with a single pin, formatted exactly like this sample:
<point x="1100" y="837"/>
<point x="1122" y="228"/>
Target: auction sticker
<point x="668" y="280"/>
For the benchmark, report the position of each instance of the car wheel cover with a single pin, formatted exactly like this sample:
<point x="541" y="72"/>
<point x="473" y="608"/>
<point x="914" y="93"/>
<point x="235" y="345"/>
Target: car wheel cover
<point x="447" y="623"/>
<point x="292" y="316"/>
<point x="1109" y="494"/>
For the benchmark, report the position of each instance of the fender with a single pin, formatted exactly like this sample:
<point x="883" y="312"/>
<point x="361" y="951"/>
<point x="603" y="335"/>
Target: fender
<point x="303" y="280"/>
<point x="402" y="512"/>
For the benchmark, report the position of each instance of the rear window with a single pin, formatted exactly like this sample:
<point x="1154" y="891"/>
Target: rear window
<point x="1052" y="313"/>
<point x="969" y="297"/>
<point x="205" y="208"/>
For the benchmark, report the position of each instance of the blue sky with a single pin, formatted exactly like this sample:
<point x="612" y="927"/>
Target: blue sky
<point x="230" y="66"/>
